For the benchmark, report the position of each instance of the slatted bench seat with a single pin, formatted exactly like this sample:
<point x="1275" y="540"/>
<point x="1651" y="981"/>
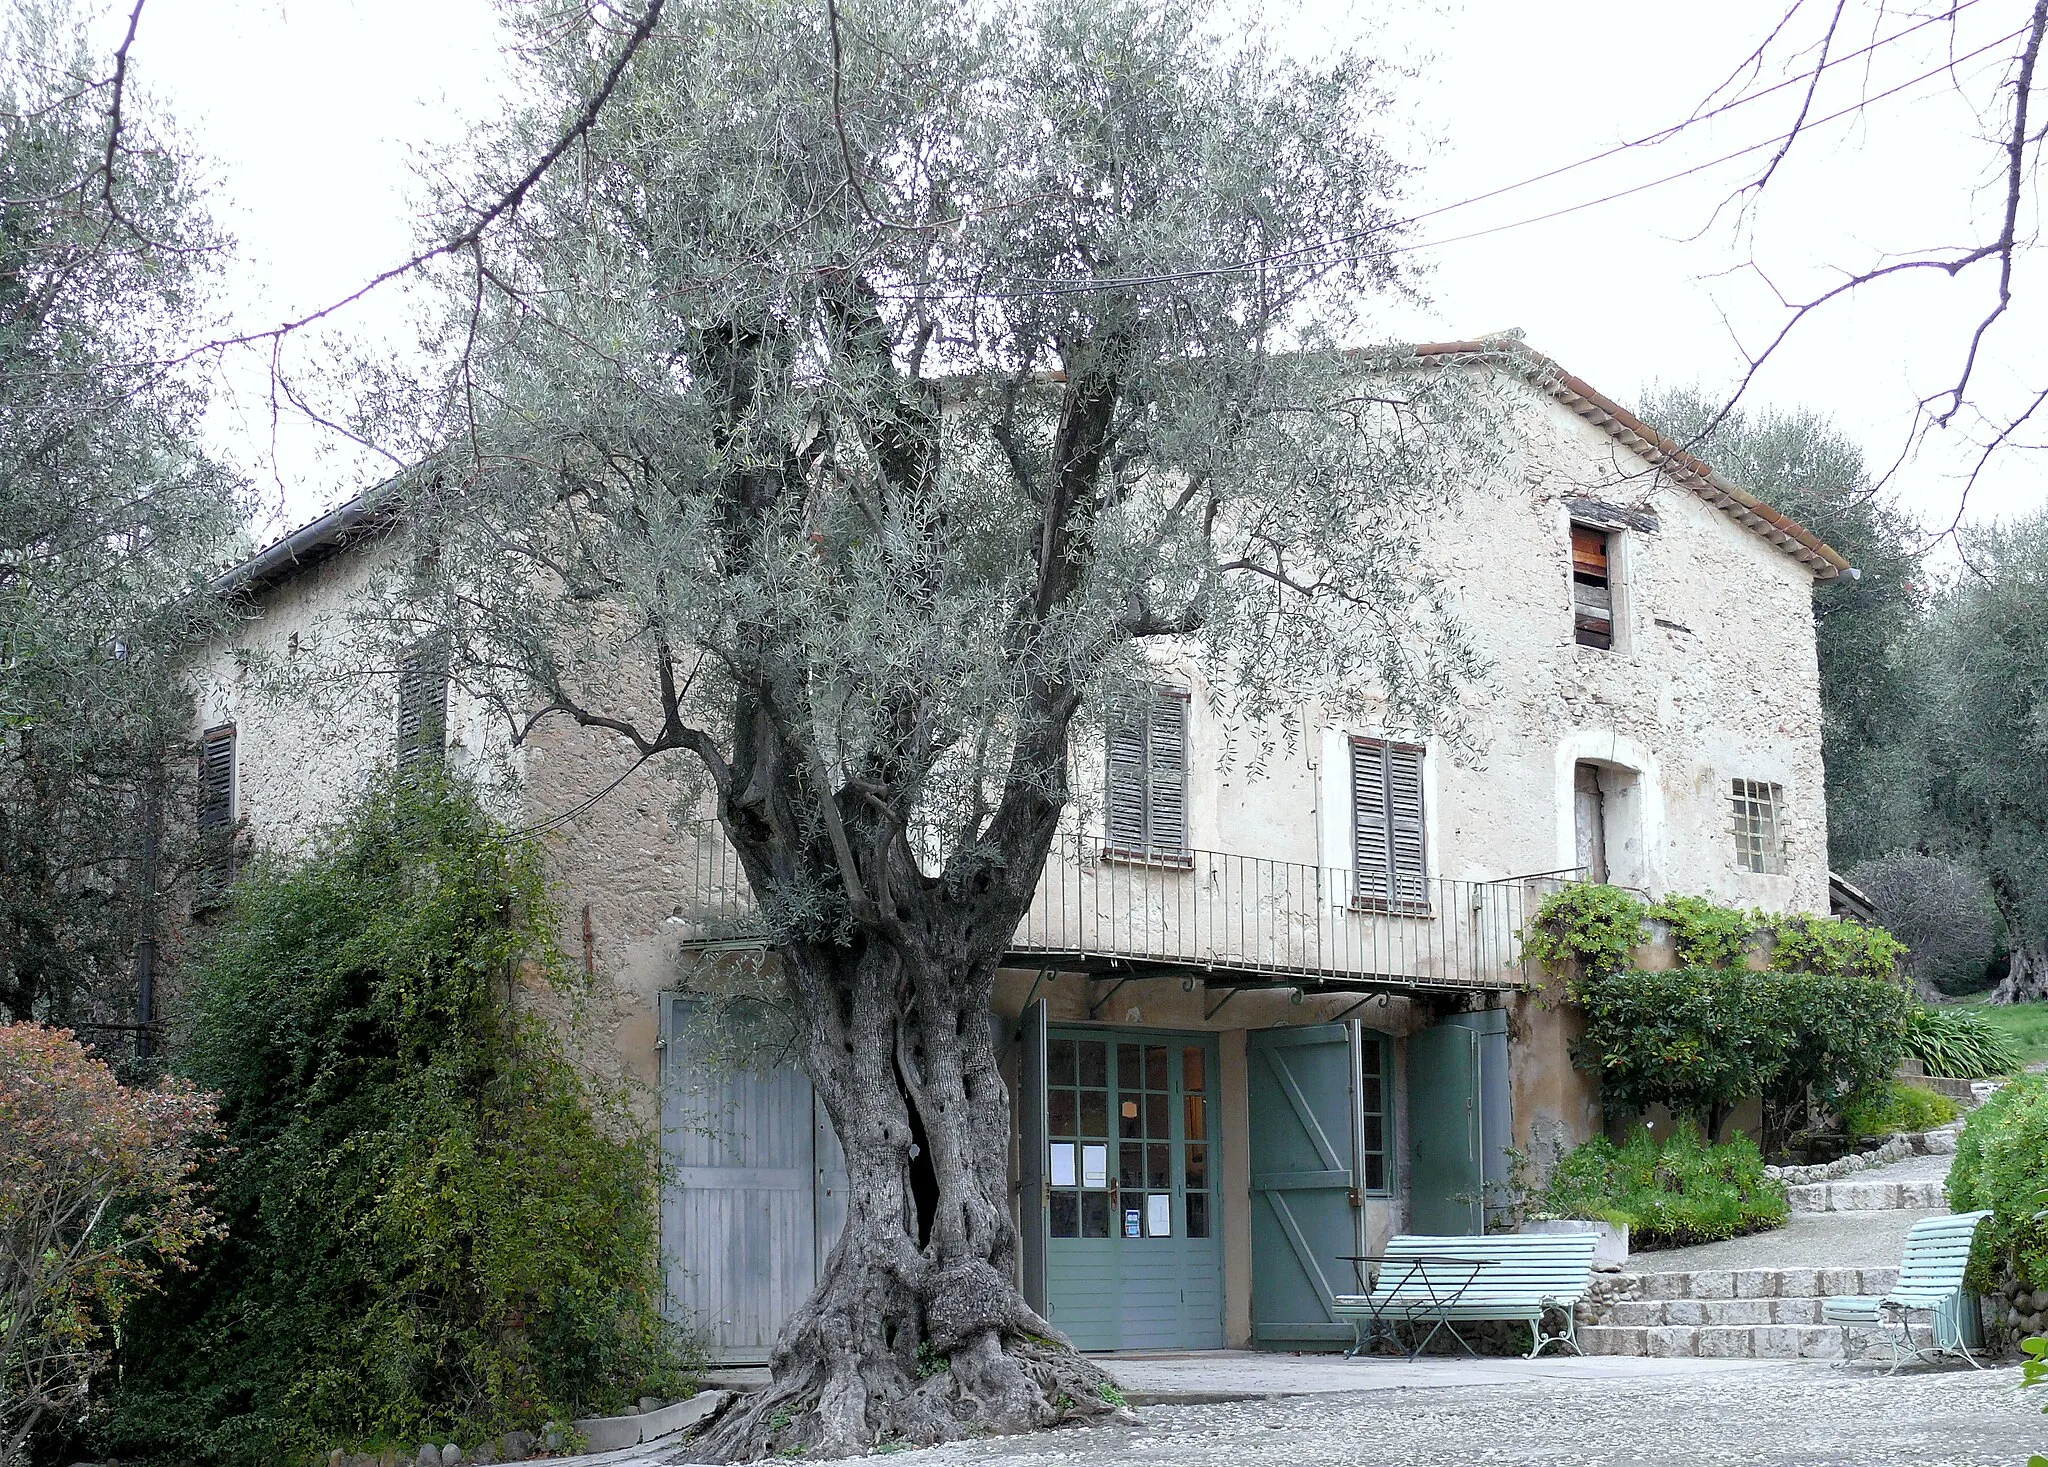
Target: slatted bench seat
<point x="1930" y="1282"/>
<point x="1441" y="1282"/>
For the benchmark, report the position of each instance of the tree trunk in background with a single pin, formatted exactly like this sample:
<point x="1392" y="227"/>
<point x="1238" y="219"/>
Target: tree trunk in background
<point x="2026" y="981"/>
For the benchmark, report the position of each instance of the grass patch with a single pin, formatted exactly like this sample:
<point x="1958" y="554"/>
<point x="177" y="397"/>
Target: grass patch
<point x="2026" y="1024"/>
<point x="1894" y="1107"/>
<point x="1670" y="1193"/>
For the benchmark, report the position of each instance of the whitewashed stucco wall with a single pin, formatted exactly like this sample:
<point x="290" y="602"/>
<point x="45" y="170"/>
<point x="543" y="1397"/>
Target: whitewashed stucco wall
<point x="1714" y="678"/>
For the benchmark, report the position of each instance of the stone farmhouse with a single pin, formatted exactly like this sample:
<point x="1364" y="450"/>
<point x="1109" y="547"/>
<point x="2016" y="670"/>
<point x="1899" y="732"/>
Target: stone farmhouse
<point x="1256" y="1021"/>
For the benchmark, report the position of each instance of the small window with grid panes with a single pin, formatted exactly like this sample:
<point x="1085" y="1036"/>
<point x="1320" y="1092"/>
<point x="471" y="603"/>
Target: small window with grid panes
<point x="1759" y="826"/>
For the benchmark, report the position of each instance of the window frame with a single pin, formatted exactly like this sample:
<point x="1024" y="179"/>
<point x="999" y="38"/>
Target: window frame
<point x="1390" y="900"/>
<point x="1763" y="840"/>
<point x="1386" y="1150"/>
<point x="1150" y="852"/>
<point x="1610" y="547"/>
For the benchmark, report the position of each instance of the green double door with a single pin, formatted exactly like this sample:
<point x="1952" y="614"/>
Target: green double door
<point x="1133" y="1240"/>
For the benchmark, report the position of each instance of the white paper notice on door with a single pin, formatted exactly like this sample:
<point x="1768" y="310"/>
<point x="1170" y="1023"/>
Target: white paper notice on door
<point x="1063" y="1163"/>
<point x="1158" y="1216"/>
<point x="1095" y="1166"/>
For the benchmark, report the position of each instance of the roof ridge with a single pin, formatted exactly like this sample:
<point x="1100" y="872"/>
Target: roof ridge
<point x="1660" y="452"/>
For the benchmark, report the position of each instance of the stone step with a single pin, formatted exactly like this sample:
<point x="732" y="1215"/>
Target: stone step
<point x="1751" y="1283"/>
<point x="1718" y="1342"/>
<point x="1928" y="1194"/>
<point x="1653" y="1313"/>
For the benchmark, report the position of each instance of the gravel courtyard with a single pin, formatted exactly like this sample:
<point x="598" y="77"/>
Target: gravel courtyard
<point x="1798" y="1415"/>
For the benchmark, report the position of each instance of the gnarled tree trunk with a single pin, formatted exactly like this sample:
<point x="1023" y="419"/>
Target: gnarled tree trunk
<point x="917" y="1332"/>
<point x="2026" y="981"/>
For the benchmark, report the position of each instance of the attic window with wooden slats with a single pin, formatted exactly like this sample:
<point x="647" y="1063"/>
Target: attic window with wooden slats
<point x="1388" y="838"/>
<point x="422" y="703"/>
<point x="216" y="812"/>
<point x="1592" y="586"/>
<point x="1147" y="778"/>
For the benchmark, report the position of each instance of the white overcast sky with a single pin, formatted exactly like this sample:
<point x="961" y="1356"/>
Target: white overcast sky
<point x="315" y="111"/>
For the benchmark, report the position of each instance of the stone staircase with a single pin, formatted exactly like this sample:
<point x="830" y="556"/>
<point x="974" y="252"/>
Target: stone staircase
<point x="1766" y="1313"/>
<point x="1927" y="1194"/>
<point x="1730" y="1314"/>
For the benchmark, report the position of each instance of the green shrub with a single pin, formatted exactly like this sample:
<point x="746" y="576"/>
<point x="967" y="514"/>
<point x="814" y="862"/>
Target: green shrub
<point x="1706" y="934"/>
<point x="1586" y="923"/>
<point x="1696" y="1040"/>
<point x="1960" y="1043"/>
<point x="2002" y="1163"/>
<point x="1891" y="1107"/>
<point x="1834" y="946"/>
<point x="1700" y="1040"/>
<point x="1670" y="1193"/>
<point x="1844" y="1033"/>
<point x="438" y="1229"/>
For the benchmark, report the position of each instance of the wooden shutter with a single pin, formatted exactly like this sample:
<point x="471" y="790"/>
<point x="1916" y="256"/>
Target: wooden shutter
<point x="1405" y="825"/>
<point x="1166" y="773"/>
<point x="217" y="778"/>
<point x="422" y="703"/>
<point x="1125" y="796"/>
<point x="1388" y="831"/>
<point x="1592" y="587"/>
<point x="1371" y="839"/>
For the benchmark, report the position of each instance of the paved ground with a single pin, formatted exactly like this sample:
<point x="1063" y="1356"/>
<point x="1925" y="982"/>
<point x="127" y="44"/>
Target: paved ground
<point x="1778" y="1415"/>
<point x="1809" y="1240"/>
<point x="1907" y="1169"/>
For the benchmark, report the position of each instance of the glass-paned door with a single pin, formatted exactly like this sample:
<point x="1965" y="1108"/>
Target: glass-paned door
<point x="1133" y="1259"/>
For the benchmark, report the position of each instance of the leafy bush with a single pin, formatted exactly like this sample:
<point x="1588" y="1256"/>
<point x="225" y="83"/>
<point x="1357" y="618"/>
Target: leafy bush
<point x="1844" y="1033"/>
<point x="1671" y="1193"/>
<point x="97" y="1200"/>
<point x="1700" y="1040"/>
<point x="1706" y="934"/>
<point x="1697" y="1040"/>
<point x="1827" y="1020"/>
<point x="2002" y="1163"/>
<point x="1834" y="946"/>
<point x="1960" y="1043"/>
<point x="1892" y="1107"/>
<point x="439" y="1229"/>
<point x="1595" y="926"/>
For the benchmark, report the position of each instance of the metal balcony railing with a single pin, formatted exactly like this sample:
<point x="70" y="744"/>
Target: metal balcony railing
<point x="1209" y="911"/>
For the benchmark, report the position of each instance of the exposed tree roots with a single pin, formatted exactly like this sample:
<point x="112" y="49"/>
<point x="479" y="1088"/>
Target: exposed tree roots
<point x="832" y="1398"/>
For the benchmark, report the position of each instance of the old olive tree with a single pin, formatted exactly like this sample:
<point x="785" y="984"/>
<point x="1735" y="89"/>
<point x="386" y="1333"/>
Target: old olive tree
<point x="846" y="416"/>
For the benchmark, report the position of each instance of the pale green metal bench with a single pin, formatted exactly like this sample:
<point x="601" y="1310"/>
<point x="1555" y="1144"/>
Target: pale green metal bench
<point x="1442" y="1282"/>
<point x="1931" y="1283"/>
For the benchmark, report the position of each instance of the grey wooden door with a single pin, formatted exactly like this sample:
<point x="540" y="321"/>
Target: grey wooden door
<point x="755" y="1188"/>
<point x="1305" y="1212"/>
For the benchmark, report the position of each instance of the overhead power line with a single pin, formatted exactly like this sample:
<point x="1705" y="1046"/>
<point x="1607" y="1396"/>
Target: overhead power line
<point x="1027" y="289"/>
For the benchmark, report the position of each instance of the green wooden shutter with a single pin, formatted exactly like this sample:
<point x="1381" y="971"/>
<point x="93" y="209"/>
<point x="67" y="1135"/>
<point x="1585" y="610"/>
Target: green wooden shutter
<point x="1166" y="773"/>
<point x="1405" y="826"/>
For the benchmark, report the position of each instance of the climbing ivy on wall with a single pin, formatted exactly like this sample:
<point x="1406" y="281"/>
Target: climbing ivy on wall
<point x="1823" y="1020"/>
<point x="438" y="1229"/>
